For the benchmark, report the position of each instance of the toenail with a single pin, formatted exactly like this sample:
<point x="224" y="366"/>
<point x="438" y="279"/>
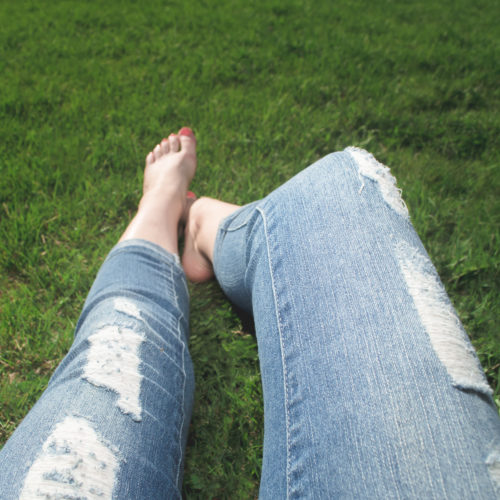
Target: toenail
<point x="191" y="195"/>
<point x="186" y="131"/>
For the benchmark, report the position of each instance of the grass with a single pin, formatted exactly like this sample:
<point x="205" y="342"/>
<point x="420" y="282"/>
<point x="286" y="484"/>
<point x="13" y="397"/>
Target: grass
<point x="269" y="87"/>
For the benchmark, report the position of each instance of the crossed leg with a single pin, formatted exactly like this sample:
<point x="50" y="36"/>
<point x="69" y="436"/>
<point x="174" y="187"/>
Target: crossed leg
<point x="371" y="386"/>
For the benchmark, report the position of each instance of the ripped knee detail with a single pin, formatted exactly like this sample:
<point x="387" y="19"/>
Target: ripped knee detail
<point x="74" y="463"/>
<point x="370" y="168"/>
<point x="437" y="315"/>
<point x="113" y="360"/>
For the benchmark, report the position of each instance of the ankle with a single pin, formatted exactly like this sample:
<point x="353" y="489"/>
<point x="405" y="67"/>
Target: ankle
<point x="205" y="217"/>
<point x="162" y="202"/>
<point x="195" y="221"/>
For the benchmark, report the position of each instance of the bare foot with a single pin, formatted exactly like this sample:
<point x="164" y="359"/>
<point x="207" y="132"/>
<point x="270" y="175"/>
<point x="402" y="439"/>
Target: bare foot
<point x="169" y="170"/>
<point x="202" y="224"/>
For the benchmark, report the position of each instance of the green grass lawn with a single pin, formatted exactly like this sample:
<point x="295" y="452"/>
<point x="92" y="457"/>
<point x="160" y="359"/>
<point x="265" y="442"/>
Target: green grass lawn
<point x="88" y="88"/>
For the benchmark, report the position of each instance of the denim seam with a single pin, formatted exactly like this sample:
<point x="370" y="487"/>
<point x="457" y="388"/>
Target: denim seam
<point x="181" y="428"/>
<point x="278" y="317"/>
<point x="233" y="228"/>
<point x="230" y="217"/>
<point x="159" y="252"/>
<point x="183" y="416"/>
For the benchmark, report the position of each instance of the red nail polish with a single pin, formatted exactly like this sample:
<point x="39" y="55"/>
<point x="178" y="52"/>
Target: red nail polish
<point x="191" y="195"/>
<point x="186" y="131"/>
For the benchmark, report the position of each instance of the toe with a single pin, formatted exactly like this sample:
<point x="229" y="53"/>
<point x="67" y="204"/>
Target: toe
<point x="165" y="147"/>
<point x="157" y="152"/>
<point x="188" y="140"/>
<point x="173" y="139"/>
<point x="150" y="158"/>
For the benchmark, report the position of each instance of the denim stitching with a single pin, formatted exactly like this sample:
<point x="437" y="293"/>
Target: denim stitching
<point x="183" y="416"/>
<point x="183" y="412"/>
<point x="141" y="245"/>
<point x="282" y="355"/>
<point x="227" y="221"/>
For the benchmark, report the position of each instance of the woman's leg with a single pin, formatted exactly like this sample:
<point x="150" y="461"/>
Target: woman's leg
<point x="371" y="387"/>
<point x="113" y="420"/>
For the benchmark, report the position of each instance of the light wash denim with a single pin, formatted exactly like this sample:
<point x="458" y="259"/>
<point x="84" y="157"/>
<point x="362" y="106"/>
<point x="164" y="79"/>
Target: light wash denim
<point x="371" y="387"/>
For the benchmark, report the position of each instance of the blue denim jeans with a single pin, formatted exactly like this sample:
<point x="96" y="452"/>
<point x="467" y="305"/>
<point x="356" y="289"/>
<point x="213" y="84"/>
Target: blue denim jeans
<point x="371" y="386"/>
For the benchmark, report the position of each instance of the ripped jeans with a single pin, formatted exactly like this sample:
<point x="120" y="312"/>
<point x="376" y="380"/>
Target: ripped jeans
<point x="371" y="386"/>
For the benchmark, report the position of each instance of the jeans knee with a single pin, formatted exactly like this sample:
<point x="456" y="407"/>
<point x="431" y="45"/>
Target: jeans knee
<point x="344" y="178"/>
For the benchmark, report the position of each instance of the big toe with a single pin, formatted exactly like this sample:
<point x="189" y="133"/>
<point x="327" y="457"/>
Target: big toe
<point x="188" y="140"/>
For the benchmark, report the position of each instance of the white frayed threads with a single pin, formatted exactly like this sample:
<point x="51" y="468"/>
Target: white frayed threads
<point x="493" y="463"/>
<point x="74" y="463"/>
<point x="126" y="307"/>
<point x="371" y="168"/>
<point x="447" y="336"/>
<point x="113" y="362"/>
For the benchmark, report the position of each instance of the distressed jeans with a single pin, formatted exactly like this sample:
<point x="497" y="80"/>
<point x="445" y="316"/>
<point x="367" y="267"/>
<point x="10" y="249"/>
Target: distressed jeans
<point x="371" y="386"/>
